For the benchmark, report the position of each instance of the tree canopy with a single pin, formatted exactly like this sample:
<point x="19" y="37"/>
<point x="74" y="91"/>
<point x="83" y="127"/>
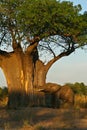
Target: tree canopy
<point x="49" y="21"/>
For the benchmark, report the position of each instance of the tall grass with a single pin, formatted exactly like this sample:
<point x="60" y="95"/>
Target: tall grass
<point x="80" y="101"/>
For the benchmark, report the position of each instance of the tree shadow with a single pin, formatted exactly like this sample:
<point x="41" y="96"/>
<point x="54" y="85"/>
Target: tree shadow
<point x="45" y="118"/>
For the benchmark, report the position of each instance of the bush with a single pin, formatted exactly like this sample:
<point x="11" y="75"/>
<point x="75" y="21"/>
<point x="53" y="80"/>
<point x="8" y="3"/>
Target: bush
<point x="3" y="92"/>
<point x="78" y="88"/>
<point x="80" y="101"/>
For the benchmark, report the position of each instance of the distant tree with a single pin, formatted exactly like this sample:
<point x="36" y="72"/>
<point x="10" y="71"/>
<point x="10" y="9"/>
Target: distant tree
<point x="36" y="31"/>
<point x="78" y="88"/>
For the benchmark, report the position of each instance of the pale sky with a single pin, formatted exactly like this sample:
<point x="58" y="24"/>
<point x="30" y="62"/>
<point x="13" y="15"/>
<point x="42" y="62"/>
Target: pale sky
<point x="69" y="69"/>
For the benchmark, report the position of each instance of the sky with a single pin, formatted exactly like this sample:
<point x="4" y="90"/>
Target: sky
<point x="69" y="69"/>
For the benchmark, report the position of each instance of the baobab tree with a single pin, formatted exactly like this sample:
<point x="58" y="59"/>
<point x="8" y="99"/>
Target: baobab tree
<point x="35" y="29"/>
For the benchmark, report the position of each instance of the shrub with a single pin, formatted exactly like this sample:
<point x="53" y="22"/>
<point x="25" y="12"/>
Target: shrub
<point x="80" y="101"/>
<point x="3" y="92"/>
<point x="78" y="88"/>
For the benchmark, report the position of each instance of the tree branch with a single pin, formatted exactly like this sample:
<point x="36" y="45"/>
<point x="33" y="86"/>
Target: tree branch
<point x="2" y="38"/>
<point x="34" y="40"/>
<point x="31" y="47"/>
<point x="66" y="53"/>
<point x="48" y="49"/>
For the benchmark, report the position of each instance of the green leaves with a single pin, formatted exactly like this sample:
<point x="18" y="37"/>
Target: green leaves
<point x="78" y="88"/>
<point x="44" y="18"/>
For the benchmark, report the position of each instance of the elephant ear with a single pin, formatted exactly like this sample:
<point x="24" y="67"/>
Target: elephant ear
<point x="66" y="94"/>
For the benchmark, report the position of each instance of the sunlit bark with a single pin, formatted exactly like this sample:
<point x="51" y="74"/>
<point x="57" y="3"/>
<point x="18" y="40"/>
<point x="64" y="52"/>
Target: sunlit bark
<point x="26" y="76"/>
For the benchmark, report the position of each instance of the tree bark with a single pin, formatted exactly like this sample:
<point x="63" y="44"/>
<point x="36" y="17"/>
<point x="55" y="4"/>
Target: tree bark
<point x="27" y="63"/>
<point x="26" y="77"/>
<point x="39" y="74"/>
<point x="23" y="77"/>
<point x="12" y="67"/>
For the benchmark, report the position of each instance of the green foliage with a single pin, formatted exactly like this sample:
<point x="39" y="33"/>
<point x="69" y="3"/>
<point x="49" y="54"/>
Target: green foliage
<point x="58" y="25"/>
<point x="43" y="17"/>
<point x="78" y="88"/>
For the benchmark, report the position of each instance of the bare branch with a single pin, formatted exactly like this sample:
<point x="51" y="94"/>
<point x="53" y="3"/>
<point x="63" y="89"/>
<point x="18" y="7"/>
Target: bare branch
<point x="65" y="53"/>
<point x="2" y="38"/>
<point x="48" y="48"/>
<point x="59" y="44"/>
<point x="33" y="40"/>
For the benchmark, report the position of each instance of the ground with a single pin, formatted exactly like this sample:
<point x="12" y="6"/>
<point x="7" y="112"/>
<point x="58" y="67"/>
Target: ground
<point x="43" y="119"/>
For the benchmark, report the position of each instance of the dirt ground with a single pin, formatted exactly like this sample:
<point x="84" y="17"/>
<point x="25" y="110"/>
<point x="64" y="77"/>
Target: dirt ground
<point x="43" y="119"/>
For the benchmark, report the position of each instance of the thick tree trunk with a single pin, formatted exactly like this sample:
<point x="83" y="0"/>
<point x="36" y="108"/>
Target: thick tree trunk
<point x="39" y="74"/>
<point x="39" y="79"/>
<point x="23" y="79"/>
<point x="18" y="69"/>
<point x="27" y="63"/>
<point x="13" y="71"/>
<point x="26" y="77"/>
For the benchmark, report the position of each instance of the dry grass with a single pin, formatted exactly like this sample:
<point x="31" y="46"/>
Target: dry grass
<point x="80" y="101"/>
<point x="43" y="119"/>
<point x="37" y="118"/>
